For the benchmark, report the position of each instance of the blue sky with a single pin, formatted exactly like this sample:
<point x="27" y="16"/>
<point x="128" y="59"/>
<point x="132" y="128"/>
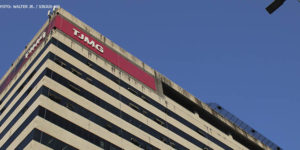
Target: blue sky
<point x="229" y="52"/>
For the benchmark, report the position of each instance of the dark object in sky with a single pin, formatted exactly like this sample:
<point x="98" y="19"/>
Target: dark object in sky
<point x="275" y="5"/>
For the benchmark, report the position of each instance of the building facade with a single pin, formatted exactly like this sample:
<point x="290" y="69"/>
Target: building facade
<point x="72" y="88"/>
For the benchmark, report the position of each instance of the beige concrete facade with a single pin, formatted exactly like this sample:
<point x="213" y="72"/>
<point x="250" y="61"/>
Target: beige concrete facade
<point x="11" y="106"/>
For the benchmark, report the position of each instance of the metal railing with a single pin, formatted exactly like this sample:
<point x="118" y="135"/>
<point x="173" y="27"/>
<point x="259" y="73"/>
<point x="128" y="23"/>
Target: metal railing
<point x="235" y="120"/>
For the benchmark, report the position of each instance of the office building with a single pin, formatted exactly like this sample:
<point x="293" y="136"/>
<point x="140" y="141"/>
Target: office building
<point x="73" y="88"/>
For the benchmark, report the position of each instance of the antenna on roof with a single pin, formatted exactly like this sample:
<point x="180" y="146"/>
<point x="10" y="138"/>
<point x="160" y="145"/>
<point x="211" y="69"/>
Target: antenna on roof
<point x="55" y="7"/>
<point x="49" y="14"/>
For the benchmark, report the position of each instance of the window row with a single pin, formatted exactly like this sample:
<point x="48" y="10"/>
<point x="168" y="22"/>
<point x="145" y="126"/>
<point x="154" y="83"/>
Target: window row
<point x="45" y="139"/>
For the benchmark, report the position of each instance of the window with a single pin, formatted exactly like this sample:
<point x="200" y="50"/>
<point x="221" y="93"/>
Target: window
<point x="159" y="121"/>
<point x="21" y="87"/>
<point x="201" y="132"/>
<point x="108" y="126"/>
<point x="69" y="106"/>
<point x="28" y="90"/>
<point x="74" y="88"/>
<point x="132" y="91"/>
<point x="24" y="109"/>
<point x="145" y="112"/>
<point x="112" y="148"/>
<point x="2" y="110"/>
<point x="76" y="72"/>
<point x="59" y="62"/>
<point x="50" y="141"/>
<point x="172" y="144"/>
<point x="102" y="144"/>
<point x="116" y="80"/>
<point x="164" y="139"/>
<point x="134" y="107"/>
<point x="54" y="98"/>
<point x="65" y="147"/>
<point x="90" y="64"/>
<point x="31" y="75"/>
<point x="134" y="141"/>
<point x="148" y="147"/>
<point x="145" y="98"/>
<point x="89" y="80"/>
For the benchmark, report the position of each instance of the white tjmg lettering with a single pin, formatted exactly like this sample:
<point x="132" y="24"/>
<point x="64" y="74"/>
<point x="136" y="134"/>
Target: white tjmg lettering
<point x="99" y="48"/>
<point x="87" y="40"/>
<point x="75" y="32"/>
<point x="92" y="43"/>
<point x="37" y="42"/>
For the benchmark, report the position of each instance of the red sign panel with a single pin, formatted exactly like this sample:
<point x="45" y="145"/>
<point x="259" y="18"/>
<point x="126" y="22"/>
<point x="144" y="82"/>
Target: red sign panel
<point x="103" y="51"/>
<point x="90" y="43"/>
